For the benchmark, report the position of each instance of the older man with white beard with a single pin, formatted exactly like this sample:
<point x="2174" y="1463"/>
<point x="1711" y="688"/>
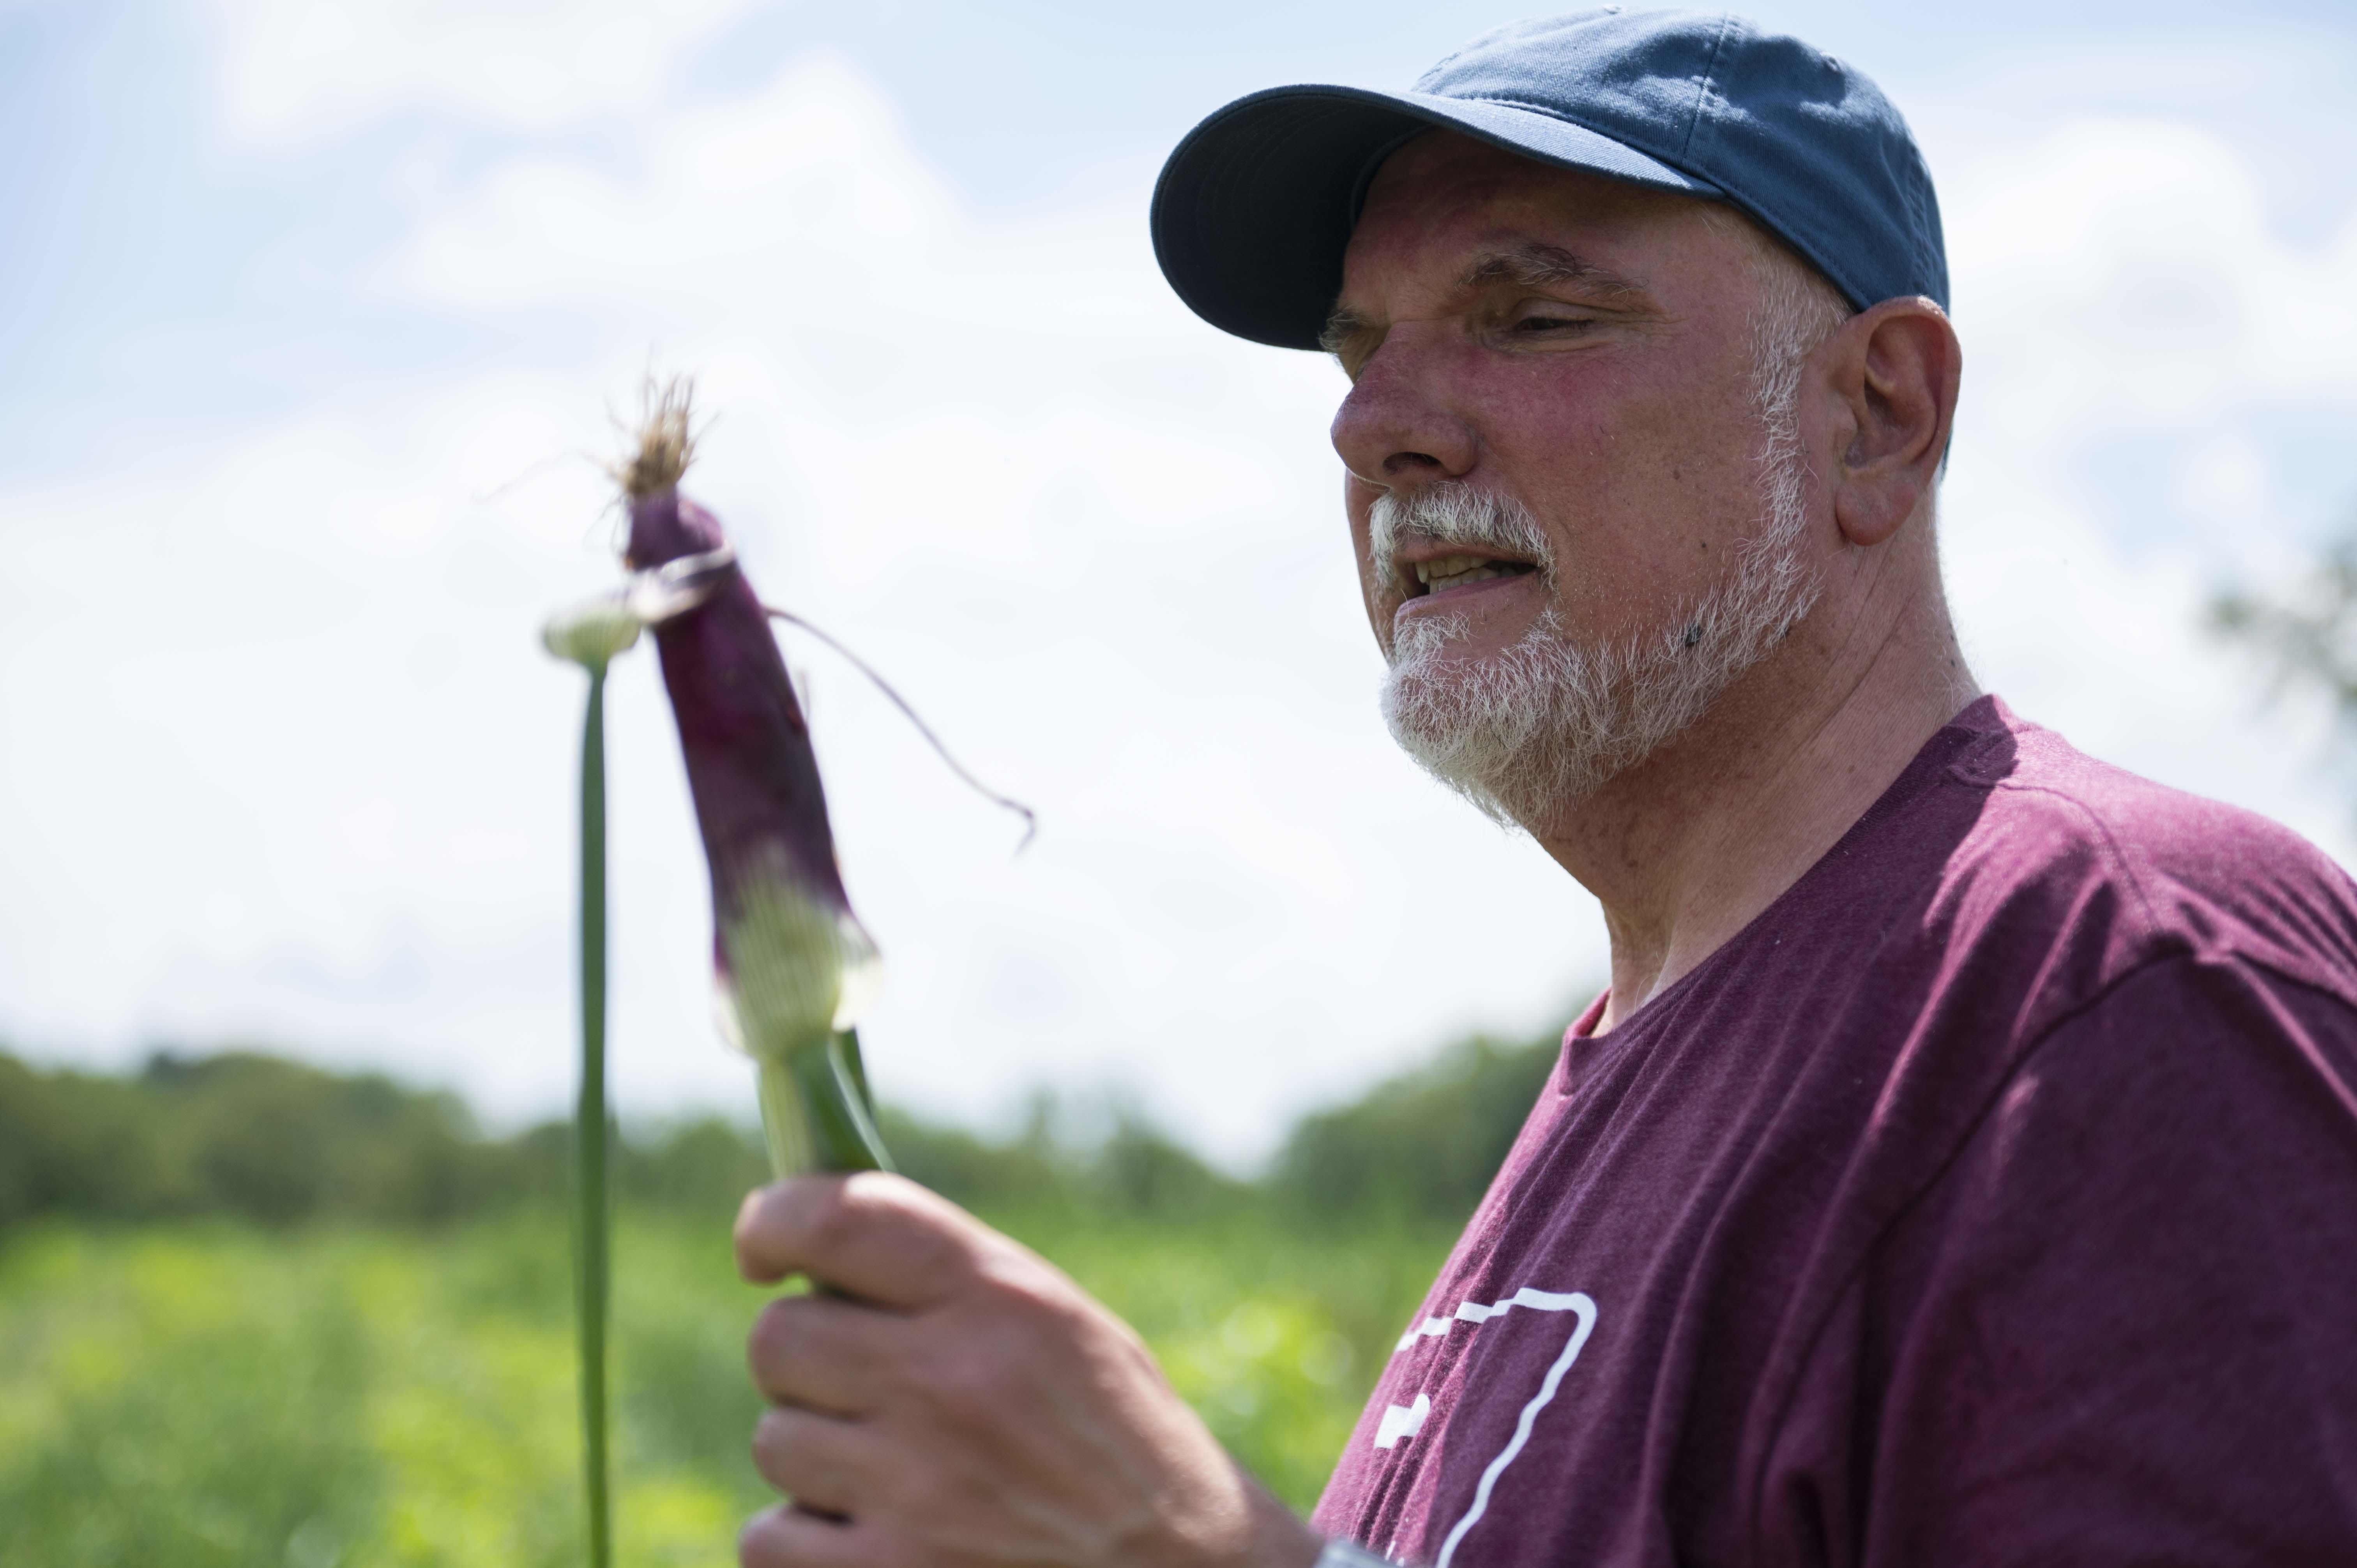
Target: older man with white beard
<point x="1962" y="1165"/>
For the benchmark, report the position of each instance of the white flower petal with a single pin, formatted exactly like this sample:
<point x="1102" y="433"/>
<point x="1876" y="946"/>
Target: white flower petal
<point x="592" y="633"/>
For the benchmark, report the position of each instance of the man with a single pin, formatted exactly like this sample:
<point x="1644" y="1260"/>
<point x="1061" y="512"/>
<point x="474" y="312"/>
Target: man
<point x="1962" y="1166"/>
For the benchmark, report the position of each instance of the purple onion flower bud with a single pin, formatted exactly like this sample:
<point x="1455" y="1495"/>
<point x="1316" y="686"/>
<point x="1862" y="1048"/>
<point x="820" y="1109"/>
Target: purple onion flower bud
<point x="794" y="961"/>
<point x="794" y="967"/>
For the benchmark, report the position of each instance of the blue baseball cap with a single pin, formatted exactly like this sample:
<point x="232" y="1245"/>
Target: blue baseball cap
<point x="1256" y="208"/>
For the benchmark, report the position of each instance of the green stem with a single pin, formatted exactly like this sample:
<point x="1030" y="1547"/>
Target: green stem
<point x="784" y="1126"/>
<point x="860" y="1146"/>
<point x="815" y="1111"/>
<point x="857" y="1072"/>
<point x="593" y="1232"/>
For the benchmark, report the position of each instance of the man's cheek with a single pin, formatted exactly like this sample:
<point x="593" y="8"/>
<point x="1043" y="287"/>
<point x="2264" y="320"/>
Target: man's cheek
<point x="1380" y="596"/>
<point x="1382" y="601"/>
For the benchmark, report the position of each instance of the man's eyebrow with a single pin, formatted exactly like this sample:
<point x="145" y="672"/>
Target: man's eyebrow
<point x="1533" y="264"/>
<point x="1341" y="326"/>
<point x="1536" y="265"/>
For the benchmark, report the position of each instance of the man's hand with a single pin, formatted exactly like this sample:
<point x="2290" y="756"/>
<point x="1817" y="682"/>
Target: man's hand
<point x="961" y="1401"/>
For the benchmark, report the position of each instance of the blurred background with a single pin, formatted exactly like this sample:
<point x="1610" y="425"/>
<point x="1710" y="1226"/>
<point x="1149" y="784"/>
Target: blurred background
<point x="313" y="319"/>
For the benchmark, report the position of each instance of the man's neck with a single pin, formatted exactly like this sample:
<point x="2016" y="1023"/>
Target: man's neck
<point x="1684" y="850"/>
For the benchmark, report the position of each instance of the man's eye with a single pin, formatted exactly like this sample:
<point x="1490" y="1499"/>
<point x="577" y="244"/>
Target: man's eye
<point x="1544" y="322"/>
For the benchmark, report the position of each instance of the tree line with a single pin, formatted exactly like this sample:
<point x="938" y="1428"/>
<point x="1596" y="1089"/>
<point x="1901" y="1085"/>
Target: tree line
<point x="252" y="1136"/>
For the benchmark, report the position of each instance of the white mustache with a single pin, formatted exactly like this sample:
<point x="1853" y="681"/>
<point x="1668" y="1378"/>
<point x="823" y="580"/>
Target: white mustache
<point x="1454" y="513"/>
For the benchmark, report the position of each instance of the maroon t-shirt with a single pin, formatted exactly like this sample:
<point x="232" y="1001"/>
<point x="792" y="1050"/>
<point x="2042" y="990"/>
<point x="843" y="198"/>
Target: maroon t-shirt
<point x="1990" y="1200"/>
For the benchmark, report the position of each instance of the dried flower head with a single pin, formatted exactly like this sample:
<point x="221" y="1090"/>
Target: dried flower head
<point x="664" y="441"/>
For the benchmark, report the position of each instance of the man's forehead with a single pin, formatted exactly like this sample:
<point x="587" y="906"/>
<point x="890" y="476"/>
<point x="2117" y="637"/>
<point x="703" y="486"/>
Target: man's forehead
<point x="1441" y="167"/>
<point x="1459" y="216"/>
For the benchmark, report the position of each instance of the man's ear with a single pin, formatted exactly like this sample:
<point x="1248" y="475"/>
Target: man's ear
<point x="1894" y="370"/>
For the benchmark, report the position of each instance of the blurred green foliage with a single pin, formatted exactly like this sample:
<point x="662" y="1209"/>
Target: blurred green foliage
<point x="1421" y="1147"/>
<point x="254" y="1312"/>
<point x="213" y="1396"/>
<point x="257" y="1137"/>
<point x="2307" y="629"/>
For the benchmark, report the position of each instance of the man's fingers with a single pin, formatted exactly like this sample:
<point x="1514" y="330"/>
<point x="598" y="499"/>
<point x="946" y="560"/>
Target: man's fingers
<point x="874" y="1236"/>
<point x="788" y="1537"/>
<point x="822" y="1352"/>
<point x="820" y="1461"/>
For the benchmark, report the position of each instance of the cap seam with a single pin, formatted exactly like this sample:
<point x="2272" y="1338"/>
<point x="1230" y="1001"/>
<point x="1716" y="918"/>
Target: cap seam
<point x="1709" y="78"/>
<point x="1451" y="58"/>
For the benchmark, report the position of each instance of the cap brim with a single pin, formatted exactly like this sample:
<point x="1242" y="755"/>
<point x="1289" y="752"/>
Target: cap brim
<point x="1254" y="208"/>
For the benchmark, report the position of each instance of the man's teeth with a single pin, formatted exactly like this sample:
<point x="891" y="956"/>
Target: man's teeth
<point x="1457" y="571"/>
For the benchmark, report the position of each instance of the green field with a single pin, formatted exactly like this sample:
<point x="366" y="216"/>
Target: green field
<point x="254" y="1312"/>
<point x="202" y="1393"/>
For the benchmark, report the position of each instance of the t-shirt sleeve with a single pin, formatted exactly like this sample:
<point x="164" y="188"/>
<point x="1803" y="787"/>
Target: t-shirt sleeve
<point x="2120" y="1327"/>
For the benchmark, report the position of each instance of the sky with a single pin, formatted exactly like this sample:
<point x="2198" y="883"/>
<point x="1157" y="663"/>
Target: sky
<point x="313" y="313"/>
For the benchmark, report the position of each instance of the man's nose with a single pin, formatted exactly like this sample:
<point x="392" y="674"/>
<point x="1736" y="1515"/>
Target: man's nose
<point x="1396" y="427"/>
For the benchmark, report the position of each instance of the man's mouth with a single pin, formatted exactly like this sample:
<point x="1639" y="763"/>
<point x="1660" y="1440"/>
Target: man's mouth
<point x="1442" y="574"/>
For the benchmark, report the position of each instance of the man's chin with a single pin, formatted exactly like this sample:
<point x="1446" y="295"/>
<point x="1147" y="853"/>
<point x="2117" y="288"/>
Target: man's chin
<point x="1513" y="731"/>
<point x="1478" y="622"/>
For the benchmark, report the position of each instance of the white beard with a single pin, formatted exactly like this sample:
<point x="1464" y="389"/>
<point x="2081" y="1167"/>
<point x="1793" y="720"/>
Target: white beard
<point x="1541" y="726"/>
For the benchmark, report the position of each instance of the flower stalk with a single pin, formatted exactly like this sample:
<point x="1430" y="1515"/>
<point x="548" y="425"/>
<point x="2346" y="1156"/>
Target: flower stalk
<point x="590" y="638"/>
<point x="594" y="1230"/>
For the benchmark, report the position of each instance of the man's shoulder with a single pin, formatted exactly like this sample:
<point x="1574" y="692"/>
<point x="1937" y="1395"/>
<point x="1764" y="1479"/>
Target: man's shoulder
<point x="2065" y="838"/>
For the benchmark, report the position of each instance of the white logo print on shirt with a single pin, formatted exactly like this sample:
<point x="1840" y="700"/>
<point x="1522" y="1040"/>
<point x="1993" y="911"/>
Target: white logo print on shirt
<point x="1402" y="1422"/>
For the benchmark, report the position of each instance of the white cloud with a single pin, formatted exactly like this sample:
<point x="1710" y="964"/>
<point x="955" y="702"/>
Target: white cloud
<point x="2127" y="275"/>
<point x="806" y="196"/>
<point x="2150" y="365"/>
<point x="304" y="71"/>
<point x="239" y="675"/>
